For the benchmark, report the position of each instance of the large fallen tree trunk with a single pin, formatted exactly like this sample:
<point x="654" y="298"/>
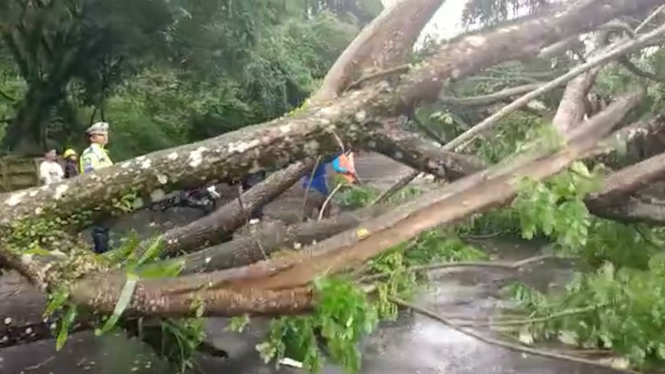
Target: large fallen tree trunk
<point x="26" y="304"/>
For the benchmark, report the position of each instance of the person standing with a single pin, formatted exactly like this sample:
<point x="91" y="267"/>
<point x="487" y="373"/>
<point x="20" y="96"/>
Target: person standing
<point x="96" y="156"/>
<point x="93" y="158"/>
<point x="71" y="163"/>
<point x="317" y="180"/>
<point x="50" y="170"/>
<point x="315" y="183"/>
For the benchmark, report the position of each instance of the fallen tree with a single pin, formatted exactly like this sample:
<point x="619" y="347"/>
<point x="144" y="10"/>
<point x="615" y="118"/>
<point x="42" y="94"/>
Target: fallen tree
<point x="37" y="225"/>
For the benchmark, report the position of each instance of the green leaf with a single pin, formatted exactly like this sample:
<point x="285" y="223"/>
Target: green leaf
<point x="238" y="323"/>
<point x="65" y="325"/>
<point x="152" y="252"/>
<point x="125" y="297"/>
<point x="57" y="301"/>
<point x="170" y="268"/>
<point x="581" y="169"/>
<point x="37" y="251"/>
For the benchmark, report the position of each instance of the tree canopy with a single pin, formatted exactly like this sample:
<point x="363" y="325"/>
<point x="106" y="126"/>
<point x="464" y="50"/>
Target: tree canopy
<point x="226" y="65"/>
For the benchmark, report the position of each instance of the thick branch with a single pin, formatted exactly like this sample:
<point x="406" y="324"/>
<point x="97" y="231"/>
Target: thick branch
<point x="611" y="201"/>
<point x="632" y="143"/>
<point x="273" y="237"/>
<point x="525" y="40"/>
<point x="561" y="47"/>
<point x="487" y="123"/>
<point x="218" y="225"/>
<point x="424" y="155"/>
<point x="572" y="108"/>
<point x="154" y="299"/>
<point x="633" y="210"/>
<point x="383" y="44"/>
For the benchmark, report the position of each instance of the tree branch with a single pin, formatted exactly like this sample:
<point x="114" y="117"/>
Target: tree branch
<point x="216" y="226"/>
<point x="487" y="123"/>
<point x="382" y="45"/>
<point x="610" y="202"/>
<point x="478" y="192"/>
<point x="496" y="342"/>
<point x="489" y="99"/>
<point x="273" y="237"/>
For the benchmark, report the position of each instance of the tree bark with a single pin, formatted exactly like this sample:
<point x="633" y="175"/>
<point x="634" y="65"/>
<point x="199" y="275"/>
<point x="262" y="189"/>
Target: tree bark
<point x="632" y="143"/>
<point x="215" y="227"/>
<point x="270" y="238"/>
<point x="614" y="202"/>
<point x="383" y="44"/>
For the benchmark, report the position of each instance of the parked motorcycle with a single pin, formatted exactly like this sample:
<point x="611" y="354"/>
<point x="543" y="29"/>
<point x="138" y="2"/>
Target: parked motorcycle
<point x="203" y="198"/>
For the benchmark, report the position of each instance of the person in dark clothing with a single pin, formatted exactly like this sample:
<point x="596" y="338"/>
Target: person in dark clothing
<point x="71" y="163"/>
<point x="316" y="182"/>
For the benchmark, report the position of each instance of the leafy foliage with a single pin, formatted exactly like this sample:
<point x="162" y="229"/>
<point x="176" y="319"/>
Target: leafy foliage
<point x="618" y="305"/>
<point x="622" y="311"/>
<point x="177" y="339"/>
<point x="199" y="68"/>
<point x="348" y="308"/>
<point x="356" y="197"/>
<point x="342" y="315"/>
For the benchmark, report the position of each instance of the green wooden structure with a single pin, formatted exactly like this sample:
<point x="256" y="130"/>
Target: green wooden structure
<point x="18" y="173"/>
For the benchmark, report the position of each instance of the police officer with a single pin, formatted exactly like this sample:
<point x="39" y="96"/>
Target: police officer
<point x="93" y="158"/>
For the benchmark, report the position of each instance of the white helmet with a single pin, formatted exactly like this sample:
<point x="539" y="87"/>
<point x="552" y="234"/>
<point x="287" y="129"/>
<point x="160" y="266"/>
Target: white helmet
<point x="98" y="128"/>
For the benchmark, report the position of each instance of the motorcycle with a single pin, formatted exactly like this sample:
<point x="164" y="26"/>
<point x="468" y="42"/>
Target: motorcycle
<point x="202" y="198"/>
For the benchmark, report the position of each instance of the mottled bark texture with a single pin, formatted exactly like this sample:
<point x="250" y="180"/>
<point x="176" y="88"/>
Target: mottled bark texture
<point x="454" y="202"/>
<point x="632" y="143"/>
<point x="280" y="286"/>
<point x="219" y="225"/>
<point x="272" y="237"/>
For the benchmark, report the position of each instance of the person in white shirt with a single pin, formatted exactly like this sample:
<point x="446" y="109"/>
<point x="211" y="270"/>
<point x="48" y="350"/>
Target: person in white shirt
<point x="50" y="170"/>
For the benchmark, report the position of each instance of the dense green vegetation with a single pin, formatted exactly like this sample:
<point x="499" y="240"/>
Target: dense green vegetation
<point x="162" y="73"/>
